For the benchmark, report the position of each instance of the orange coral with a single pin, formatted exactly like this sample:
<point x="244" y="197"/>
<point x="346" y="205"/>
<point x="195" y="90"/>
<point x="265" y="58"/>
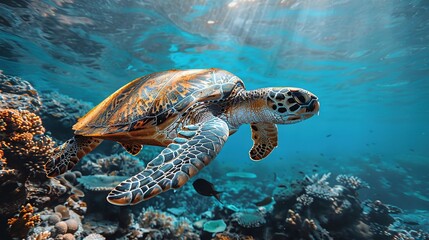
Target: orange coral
<point x="2" y="160"/>
<point x="20" y="226"/>
<point x="22" y="138"/>
<point x="231" y="236"/>
<point x="12" y="120"/>
<point x="19" y="129"/>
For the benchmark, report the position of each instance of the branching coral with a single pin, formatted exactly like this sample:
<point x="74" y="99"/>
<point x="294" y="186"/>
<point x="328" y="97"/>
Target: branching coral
<point x="319" y="187"/>
<point x="122" y="164"/>
<point x="100" y="182"/>
<point x="19" y="226"/>
<point x="304" y="227"/>
<point x="305" y="200"/>
<point x="351" y="182"/>
<point x="23" y="140"/>
<point x="164" y="225"/>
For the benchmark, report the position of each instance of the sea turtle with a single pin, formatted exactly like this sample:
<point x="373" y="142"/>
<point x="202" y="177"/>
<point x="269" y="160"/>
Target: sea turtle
<point x="189" y="112"/>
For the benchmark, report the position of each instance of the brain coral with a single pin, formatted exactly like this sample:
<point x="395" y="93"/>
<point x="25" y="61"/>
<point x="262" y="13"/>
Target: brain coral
<point x="249" y="219"/>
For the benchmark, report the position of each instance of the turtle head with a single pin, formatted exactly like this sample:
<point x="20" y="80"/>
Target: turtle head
<point x="290" y="105"/>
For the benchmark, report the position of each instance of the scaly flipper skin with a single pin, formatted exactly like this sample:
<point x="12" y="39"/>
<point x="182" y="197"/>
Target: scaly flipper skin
<point x="69" y="153"/>
<point x="193" y="149"/>
<point x="264" y="137"/>
<point x="133" y="149"/>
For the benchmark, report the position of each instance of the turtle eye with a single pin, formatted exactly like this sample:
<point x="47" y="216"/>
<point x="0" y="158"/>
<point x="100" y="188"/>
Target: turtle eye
<point x="299" y="97"/>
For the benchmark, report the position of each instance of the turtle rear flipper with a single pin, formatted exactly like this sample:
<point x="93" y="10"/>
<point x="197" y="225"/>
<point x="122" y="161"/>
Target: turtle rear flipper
<point x="69" y="153"/>
<point x="193" y="149"/>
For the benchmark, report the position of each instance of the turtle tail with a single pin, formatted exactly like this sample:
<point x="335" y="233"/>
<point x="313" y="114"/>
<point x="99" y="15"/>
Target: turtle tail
<point x="69" y="153"/>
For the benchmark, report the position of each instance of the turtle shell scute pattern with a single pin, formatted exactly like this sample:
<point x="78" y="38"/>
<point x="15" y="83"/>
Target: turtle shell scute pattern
<point x="152" y="100"/>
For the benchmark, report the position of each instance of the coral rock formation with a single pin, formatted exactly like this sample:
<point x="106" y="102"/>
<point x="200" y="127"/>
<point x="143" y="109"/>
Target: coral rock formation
<point x="20" y="225"/>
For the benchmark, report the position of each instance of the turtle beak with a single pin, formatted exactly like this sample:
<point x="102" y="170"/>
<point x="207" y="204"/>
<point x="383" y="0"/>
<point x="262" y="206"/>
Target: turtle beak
<point x="309" y="109"/>
<point x="312" y="108"/>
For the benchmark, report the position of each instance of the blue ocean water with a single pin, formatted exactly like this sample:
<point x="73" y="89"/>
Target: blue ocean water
<point x="367" y="61"/>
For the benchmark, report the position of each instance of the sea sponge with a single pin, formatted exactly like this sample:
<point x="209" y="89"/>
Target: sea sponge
<point x="63" y="210"/>
<point x="70" y="177"/>
<point x="72" y="225"/>
<point x="68" y="236"/>
<point x="61" y="227"/>
<point x="53" y="219"/>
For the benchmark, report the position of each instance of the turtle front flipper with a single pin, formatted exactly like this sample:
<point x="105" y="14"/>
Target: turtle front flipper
<point x="69" y="153"/>
<point x="193" y="149"/>
<point x="264" y="137"/>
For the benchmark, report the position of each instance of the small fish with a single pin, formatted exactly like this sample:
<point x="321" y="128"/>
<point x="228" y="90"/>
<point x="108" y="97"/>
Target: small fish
<point x="411" y="223"/>
<point x="314" y="170"/>
<point x="315" y="165"/>
<point x="301" y="172"/>
<point x="328" y="135"/>
<point x="411" y="150"/>
<point x="282" y="186"/>
<point x="322" y="154"/>
<point x="264" y="202"/>
<point x="275" y="177"/>
<point x="206" y="188"/>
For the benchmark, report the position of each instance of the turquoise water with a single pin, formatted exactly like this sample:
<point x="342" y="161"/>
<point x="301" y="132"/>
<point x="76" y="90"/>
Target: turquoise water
<point x="367" y="61"/>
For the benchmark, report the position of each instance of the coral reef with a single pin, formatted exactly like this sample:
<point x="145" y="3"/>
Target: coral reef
<point x="35" y="207"/>
<point x="122" y="164"/>
<point x="60" y="112"/>
<point x="100" y="182"/>
<point x="20" y="225"/>
<point x="16" y="93"/>
<point x="161" y="225"/>
<point x="25" y="147"/>
<point x="214" y="226"/>
<point x="351" y="182"/>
